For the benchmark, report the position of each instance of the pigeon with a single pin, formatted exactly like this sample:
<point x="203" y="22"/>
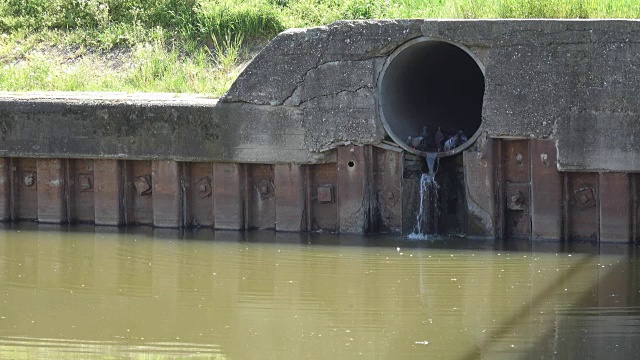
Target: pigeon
<point x="455" y="141"/>
<point x="423" y="142"/>
<point x="451" y="143"/>
<point x="427" y="141"/>
<point x="439" y="139"/>
<point x="414" y="142"/>
<point x="462" y="138"/>
<point x="425" y="132"/>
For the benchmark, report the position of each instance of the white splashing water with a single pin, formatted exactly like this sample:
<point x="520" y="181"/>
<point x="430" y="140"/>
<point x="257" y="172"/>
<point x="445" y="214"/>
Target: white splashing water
<point x="427" y="216"/>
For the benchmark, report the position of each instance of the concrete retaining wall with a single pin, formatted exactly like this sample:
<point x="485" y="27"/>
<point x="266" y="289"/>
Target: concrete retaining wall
<point x="552" y="158"/>
<point x="572" y="81"/>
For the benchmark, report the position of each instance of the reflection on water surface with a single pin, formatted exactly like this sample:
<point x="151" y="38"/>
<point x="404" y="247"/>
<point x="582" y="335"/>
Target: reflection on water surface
<point x="228" y="295"/>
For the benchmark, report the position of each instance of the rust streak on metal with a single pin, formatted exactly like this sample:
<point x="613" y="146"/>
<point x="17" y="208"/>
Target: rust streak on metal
<point x="615" y="207"/>
<point x="139" y="188"/>
<point x="107" y="192"/>
<point x="167" y="194"/>
<point x="198" y="194"/>
<point x="583" y="207"/>
<point x="5" y="189"/>
<point x="351" y="189"/>
<point x="290" y="196"/>
<point x="228" y="193"/>
<point x="50" y="190"/>
<point x="546" y="191"/>
<point x="261" y="201"/>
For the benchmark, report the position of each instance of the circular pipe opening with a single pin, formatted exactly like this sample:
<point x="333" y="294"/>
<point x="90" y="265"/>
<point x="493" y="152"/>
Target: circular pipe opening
<point x="428" y="85"/>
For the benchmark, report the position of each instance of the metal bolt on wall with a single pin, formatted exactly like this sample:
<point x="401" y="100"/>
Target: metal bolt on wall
<point x="512" y="189"/>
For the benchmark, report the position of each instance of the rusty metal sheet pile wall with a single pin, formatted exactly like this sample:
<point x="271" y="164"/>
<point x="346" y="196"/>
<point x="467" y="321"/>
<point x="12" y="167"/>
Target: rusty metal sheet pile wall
<point x="24" y="195"/>
<point x="387" y="191"/>
<point x="286" y="197"/>
<point x="5" y="187"/>
<point x="81" y="198"/>
<point x="107" y="186"/>
<point x="290" y="185"/>
<point x="532" y="199"/>
<point x="546" y="191"/>
<point x="198" y="190"/>
<point x="513" y="189"/>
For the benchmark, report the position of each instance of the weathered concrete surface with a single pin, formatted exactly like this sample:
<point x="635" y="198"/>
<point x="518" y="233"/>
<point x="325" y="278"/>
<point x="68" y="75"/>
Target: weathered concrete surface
<point x="150" y="127"/>
<point x="572" y="81"/>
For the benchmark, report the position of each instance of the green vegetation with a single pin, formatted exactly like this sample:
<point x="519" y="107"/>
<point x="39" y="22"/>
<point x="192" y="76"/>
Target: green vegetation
<point x="199" y="46"/>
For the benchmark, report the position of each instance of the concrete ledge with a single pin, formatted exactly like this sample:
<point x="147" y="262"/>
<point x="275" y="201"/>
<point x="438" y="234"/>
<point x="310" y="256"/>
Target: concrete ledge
<point x="150" y="127"/>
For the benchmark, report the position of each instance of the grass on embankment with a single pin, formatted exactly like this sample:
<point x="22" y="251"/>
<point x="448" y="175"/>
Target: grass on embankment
<point x="199" y="46"/>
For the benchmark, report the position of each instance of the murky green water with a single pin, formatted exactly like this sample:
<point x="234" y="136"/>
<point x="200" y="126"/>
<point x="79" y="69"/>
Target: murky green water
<point x="84" y="294"/>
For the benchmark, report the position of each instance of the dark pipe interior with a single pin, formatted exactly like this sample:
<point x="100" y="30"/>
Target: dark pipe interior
<point x="432" y="83"/>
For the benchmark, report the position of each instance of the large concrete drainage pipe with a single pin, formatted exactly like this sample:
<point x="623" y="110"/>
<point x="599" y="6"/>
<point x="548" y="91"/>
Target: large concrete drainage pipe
<point x="436" y="84"/>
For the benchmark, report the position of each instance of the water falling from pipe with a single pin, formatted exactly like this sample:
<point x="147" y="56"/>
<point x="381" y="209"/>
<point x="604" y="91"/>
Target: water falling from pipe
<point x="427" y="219"/>
<point x="431" y="162"/>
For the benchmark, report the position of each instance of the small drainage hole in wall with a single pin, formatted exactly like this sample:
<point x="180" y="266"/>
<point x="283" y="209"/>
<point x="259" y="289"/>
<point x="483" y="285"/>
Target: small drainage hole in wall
<point x="351" y="163"/>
